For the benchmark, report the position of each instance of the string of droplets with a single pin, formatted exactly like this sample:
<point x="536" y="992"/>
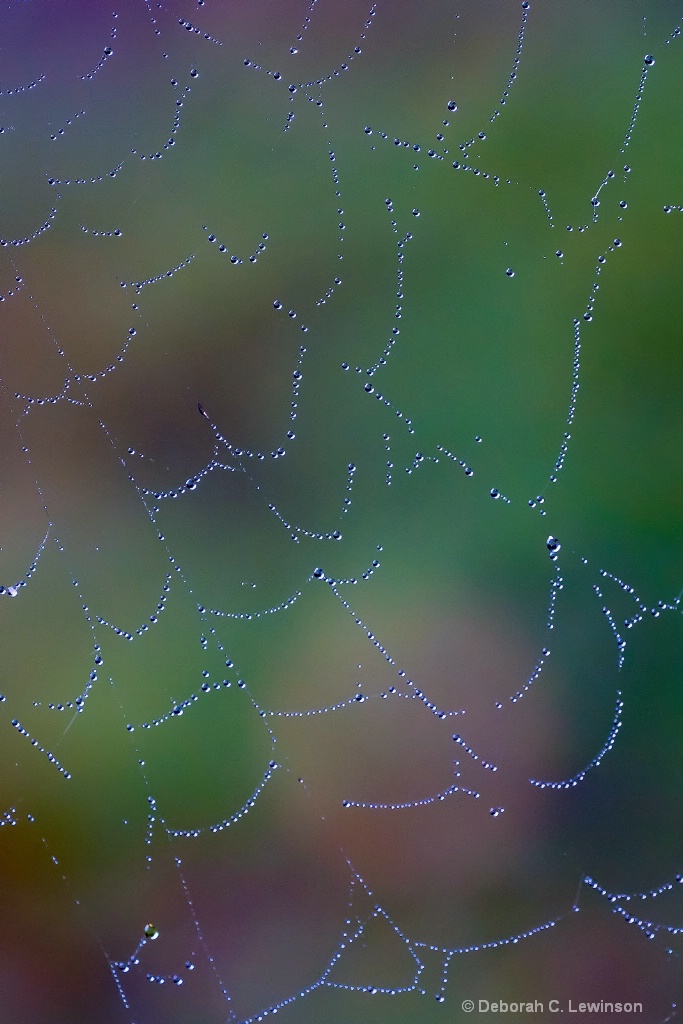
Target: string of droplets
<point x="170" y="142"/>
<point x="452" y="107"/>
<point x="369" y="634"/>
<point x="150" y="932"/>
<point x="449" y="953"/>
<point x="55" y="136"/>
<point x="371" y="390"/>
<point x="648" y="927"/>
<point x="409" y="805"/>
<point x="400" y="255"/>
<point x="576" y="363"/>
<point x="353" y="929"/>
<point x="93" y="180"/>
<point x="588" y="314"/>
<point x="232" y="819"/>
<point x="237" y="260"/>
<point x="13" y="589"/>
<point x="101" y="233"/>
<point x="12" y="292"/>
<point x="481" y="135"/>
<point x="295" y="531"/>
<point x="299" y="531"/>
<point x="305" y="87"/>
<point x="40" y="748"/>
<point x="307" y="21"/>
<point x="125" y="634"/>
<point x="154" y="279"/>
<point x="465" y="146"/>
<point x="355" y="926"/>
<point x="472" y="947"/>
<point x="189" y="27"/>
<point x="621" y="643"/>
<point x="595" y="761"/>
<point x="327" y="77"/>
<point x="178" y="710"/>
<point x="648" y="62"/>
<point x="33" y="235"/>
<point x="107" y="53"/>
<point x="345" y="65"/>
<point x="408" y="147"/>
<point x="17" y="90"/>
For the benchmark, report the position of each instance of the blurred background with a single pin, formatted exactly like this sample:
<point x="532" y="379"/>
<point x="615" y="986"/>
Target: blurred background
<point x="388" y="251"/>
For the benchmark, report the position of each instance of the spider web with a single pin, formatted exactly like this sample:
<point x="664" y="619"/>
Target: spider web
<point x="340" y="569"/>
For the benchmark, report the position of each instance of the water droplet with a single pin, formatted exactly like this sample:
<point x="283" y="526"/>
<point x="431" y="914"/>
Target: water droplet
<point x="553" y="545"/>
<point x="150" y="932"/>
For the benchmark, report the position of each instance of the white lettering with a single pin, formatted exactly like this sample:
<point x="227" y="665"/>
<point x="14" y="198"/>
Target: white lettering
<point x="501" y="1006"/>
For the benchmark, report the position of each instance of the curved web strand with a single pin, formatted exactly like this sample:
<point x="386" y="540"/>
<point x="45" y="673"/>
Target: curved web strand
<point x="595" y="762"/>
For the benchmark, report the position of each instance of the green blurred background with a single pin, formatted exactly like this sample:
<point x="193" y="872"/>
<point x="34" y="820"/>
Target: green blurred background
<point x="133" y="159"/>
